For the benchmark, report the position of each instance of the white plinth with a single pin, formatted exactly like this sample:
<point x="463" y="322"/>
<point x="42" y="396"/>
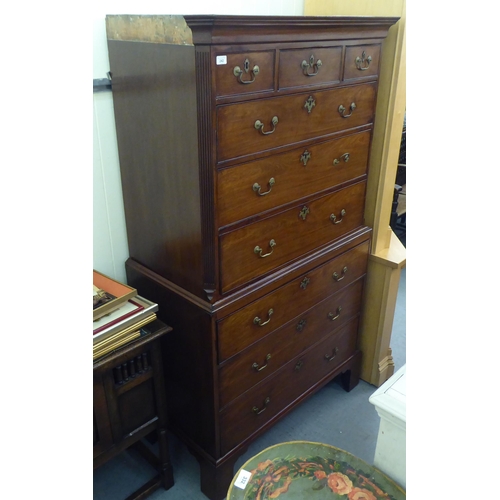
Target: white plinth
<point x="390" y="402"/>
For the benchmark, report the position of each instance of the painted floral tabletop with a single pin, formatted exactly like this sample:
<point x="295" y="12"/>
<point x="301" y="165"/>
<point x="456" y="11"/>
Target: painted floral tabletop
<point x="300" y="470"/>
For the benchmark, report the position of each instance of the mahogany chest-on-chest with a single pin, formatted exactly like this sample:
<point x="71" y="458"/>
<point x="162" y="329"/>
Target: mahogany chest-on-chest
<point x="244" y="157"/>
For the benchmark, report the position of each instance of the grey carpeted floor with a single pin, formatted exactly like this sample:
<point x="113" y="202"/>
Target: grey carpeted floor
<point x="333" y="416"/>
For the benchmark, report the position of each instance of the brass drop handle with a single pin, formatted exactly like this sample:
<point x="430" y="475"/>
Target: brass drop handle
<point x="311" y="64"/>
<point x="334" y="353"/>
<point x="352" y="107"/>
<point x="255" y="366"/>
<point x="259" y="411"/>
<point x="260" y="126"/>
<point x="333" y="217"/>
<point x="344" y="157"/>
<point x="238" y="72"/>
<point x="258" y="321"/>
<point x="259" y="250"/>
<point x="256" y="187"/>
<point x="332" y="316"/>
<point x="360" y="61"/>
<point x="336" y="277"/>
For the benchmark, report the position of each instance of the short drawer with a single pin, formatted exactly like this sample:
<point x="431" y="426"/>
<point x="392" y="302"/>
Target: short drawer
<point x="257" y="126"/>
<point x="243" y="72"/>
<point x="265" y="357"/>
<point x="252" y="410"/>
<point x="241" y="329"/>
<point x="258" y="248"/>
<point x="311" y="66"/>
<point x="361" y="61"/>
<point x="250" y="188"/>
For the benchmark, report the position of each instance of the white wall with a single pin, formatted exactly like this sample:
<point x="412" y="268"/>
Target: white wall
<point x="109" y="232"/>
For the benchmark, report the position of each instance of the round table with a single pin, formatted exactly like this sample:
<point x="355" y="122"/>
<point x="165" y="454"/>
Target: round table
<point x="300" y="470"/>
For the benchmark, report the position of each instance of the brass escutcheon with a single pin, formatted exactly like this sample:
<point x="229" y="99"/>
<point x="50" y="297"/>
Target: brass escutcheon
<point x="304" y="212"/>
<point x="304" y="283"/>
<point x="299" y="365"/>
<point x="301" y="325"/>
<point x="310" y="103"/>
<point x="306" y="156"/>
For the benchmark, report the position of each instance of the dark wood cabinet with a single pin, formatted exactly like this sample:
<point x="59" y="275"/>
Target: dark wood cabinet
<point x="244" y="157"/>
<point x="130" y="404"/>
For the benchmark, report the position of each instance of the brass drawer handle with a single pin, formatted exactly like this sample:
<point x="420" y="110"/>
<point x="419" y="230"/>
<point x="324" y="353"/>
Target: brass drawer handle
<point x="310" y="103"/>
<point x="259" y="250"/>
<point x="260" y="126"/>
<point x="311" y="64"/>
<point x="256" y="187"/>
<point x="334" y="353"/>
<point x="352" y="107"/>
<point x="344" y="157"/>
<point x="238" y="72"/>
<point x="258" y="321"/>
<point x="301" y="325"/>
<point x="255" y="366"/>
<point x="336" y="277"/>
<point x="333" y="317"/>
<point x="266" y="402"/>
<point x="333" y="217"/>
<point x="360" y="61"/>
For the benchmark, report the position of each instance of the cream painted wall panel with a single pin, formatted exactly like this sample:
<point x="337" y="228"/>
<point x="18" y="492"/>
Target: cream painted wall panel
<point x="109" y="230"/>
<point x="110" y="247"/>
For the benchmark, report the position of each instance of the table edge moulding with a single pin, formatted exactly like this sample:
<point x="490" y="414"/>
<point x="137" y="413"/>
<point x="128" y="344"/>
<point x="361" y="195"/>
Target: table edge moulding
<point x="282" y="281"/>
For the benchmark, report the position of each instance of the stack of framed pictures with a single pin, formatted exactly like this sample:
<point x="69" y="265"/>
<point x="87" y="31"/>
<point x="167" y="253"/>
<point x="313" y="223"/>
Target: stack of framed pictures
<point x="120" y="317"/>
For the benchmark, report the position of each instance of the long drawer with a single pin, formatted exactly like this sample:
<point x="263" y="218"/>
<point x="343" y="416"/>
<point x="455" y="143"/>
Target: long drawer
<point x="255" y="249"/>
<point x="257" y="406"/>
<point x="269" y="354"/>
<point x="256" y="126"/>
<point x="250" y="188"/>
<point x="241" y="329"/>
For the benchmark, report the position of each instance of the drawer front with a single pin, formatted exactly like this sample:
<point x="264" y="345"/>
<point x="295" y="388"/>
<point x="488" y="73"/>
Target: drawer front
<point x="243" y="72"/>
<point x="257" y="186"/>
<point x="253" y="409"/>
<point x="269" y="354"/>
<point x="240" y="330"/>
<point x="262" y="246"/>
<point x="311" y="66"/>
<point x="299" y="117"/>
<point x="361" y="61"/>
